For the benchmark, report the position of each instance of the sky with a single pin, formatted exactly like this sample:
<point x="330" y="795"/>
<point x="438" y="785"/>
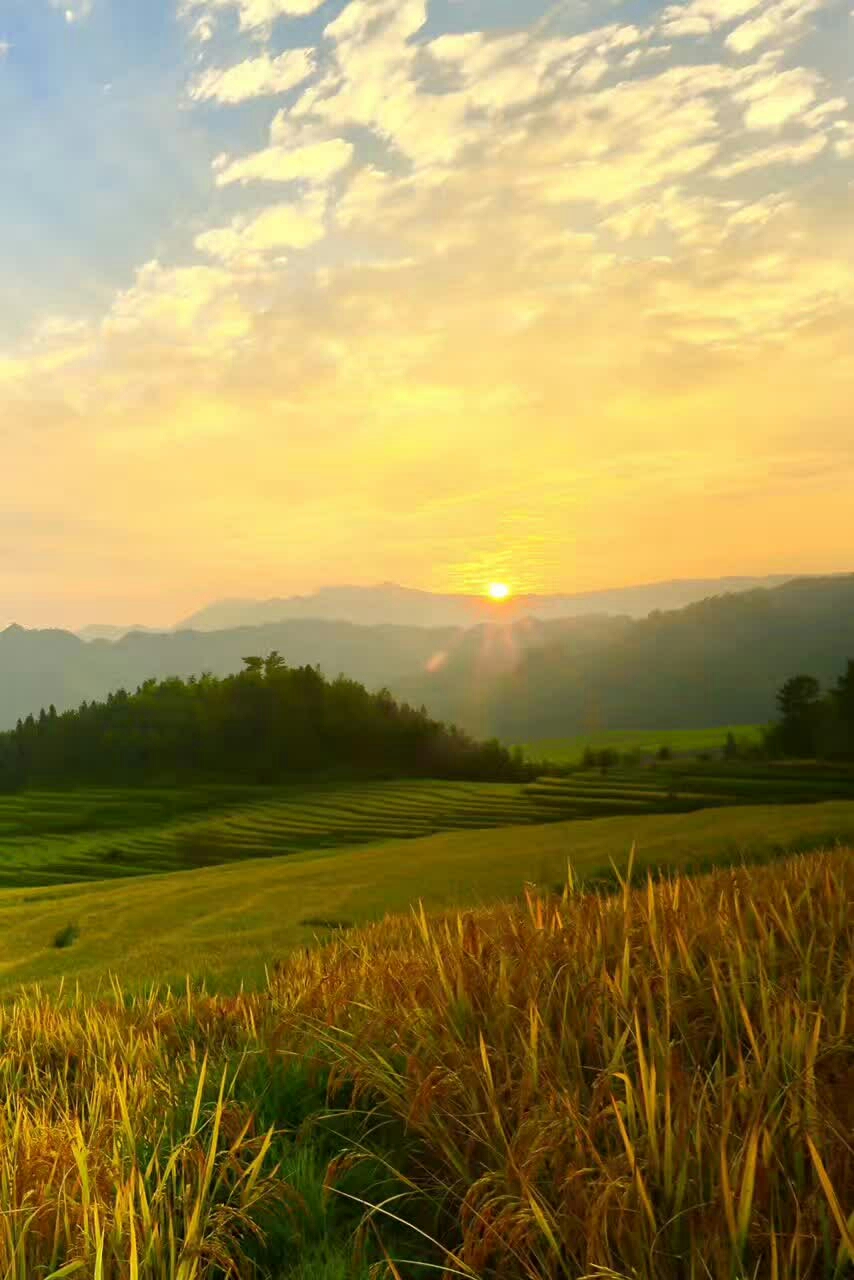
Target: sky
<point x="442" y="292"/>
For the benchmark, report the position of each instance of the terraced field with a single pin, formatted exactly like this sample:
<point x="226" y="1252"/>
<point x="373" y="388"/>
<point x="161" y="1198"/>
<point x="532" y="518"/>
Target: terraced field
<point x="61" y="837"/>
<point x="225" y="924"/>
<point x="100" y="834"/>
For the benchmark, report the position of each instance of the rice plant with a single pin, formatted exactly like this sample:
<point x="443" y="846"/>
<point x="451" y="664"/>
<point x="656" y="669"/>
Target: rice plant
<point x="652" y="1082"/>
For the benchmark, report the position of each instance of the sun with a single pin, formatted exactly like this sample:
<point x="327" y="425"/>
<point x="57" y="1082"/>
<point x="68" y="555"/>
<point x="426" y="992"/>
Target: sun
<point x="498" y="591"/>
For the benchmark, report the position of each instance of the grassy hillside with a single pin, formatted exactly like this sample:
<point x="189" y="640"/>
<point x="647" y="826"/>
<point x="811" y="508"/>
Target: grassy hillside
<point x="652" y="1084"/>
<point x="226" y="923"/>
<point x="647" y="741"/>
<point x="53" y="837"/>
<point x="57" y="837"/>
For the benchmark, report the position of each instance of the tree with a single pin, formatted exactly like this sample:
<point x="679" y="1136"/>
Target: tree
<point x="730" y="747"/>
<point x="843" y="699"/>
<point x="799" y="702"/>
<point x="272" y="663"/>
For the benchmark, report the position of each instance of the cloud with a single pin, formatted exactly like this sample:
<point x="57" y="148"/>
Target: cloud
<point x="784" y="153"/>
<point x="247" y="239"/>
<point x="254" y="78"/>
<point x="316" y="163"/>
<point x="197" y="306"/>
<point x="779" y="22"/>
<point x="773" y="100"/>
<point x="701" y="17"/>
<point x="508" y="235"/>
<point x="5" y="48"/>
<point x="843" y="141"/>
<point x="255" y="16"/>
<point x="634" y="56"/>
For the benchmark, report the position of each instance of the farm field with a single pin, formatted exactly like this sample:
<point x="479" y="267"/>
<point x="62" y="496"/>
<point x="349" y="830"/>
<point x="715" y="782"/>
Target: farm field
<point x="225" y="924"/>
<point x="423" y="1097"/>
<point x="647" y="741"/>
<point x="60" y="837"/>
<point x="91" y="834"/>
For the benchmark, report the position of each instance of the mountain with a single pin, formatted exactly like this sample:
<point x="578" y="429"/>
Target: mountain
<point x="40" y="668"/>
<point x="108" y="631"/>
<point x="403" y="606"/>
<point x="716" y="662"/>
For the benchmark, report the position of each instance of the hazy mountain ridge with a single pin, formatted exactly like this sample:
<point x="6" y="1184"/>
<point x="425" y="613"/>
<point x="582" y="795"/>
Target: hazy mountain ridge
<point x="406" y="606"/>
<point x="715" y="662"/>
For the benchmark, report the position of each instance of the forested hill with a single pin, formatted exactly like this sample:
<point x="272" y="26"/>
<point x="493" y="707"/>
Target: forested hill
<point x="714" y="663"/>
<point x="269" y="723"/>
<point x="38" y="668"/>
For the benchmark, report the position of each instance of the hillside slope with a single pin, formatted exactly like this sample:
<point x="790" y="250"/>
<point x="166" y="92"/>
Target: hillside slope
<point x="717" y="662"/>
<point x="713" y="663"/>
<point x="225" y="923"/>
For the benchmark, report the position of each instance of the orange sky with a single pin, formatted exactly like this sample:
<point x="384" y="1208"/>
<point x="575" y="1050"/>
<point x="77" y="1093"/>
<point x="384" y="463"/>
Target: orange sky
<point x="567" y="305"/>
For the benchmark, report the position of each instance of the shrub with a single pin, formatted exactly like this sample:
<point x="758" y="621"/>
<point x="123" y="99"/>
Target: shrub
<point x="66" y="937"/>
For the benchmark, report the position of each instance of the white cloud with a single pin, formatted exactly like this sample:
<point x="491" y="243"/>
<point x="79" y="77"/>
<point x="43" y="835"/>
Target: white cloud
<point x="785" y="153"/>
<point x="196" y="306"/>
<point x="254" y="78"/>
<point x="634" y="56"/>
<point x="256" y="16"/>
<point x="245" y="242"/>
<point x="819" y="114"/>
<point x="701" y="17"/>
<point x="779" y="22"/>
<point x="843" y="142"/>
<point x="773" y="100"/>
<point x="316" y="162"/>
<point x="5" y="47"/>
<point x="760" y="212"/>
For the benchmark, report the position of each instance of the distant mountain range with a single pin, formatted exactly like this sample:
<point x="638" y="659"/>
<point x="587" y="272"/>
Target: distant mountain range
<point x="714" y="662"/>
<point x="405" y="607"/>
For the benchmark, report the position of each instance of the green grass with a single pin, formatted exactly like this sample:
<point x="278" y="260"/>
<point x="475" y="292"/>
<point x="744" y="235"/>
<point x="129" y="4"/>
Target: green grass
<point x="647" y="741"/>
<point x="92" y="834"/>
<point x="54" y="837"/>
<point x="224" y="924"/>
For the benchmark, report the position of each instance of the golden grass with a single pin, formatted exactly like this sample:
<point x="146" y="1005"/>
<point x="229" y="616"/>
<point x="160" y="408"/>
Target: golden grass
<point x="653" y="1084"/>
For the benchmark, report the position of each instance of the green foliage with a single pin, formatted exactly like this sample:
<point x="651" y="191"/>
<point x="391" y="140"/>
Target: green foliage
<point x="634" y="745"/>
<point x="811" y="724"/>
<point x="716" y="662"/>
<point x="66" y="937"/>
<point x="266" y="724"/>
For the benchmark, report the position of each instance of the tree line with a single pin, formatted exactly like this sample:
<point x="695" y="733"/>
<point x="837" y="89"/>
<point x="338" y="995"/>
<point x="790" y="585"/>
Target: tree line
<point x="268" y="723"/>
<point x="814" y="723"/>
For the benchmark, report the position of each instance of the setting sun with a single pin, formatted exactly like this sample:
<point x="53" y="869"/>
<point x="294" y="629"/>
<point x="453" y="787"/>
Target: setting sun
<point x="499" y="591"/>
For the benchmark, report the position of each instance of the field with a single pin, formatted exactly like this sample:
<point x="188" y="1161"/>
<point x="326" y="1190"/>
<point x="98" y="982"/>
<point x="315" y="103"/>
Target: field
<point x="60" y="837"/>
<point x="246" y="1035"/>
<point x="646" y="741"/>
<point x="651" y="1084"/>
<point x="225" y="923"/>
